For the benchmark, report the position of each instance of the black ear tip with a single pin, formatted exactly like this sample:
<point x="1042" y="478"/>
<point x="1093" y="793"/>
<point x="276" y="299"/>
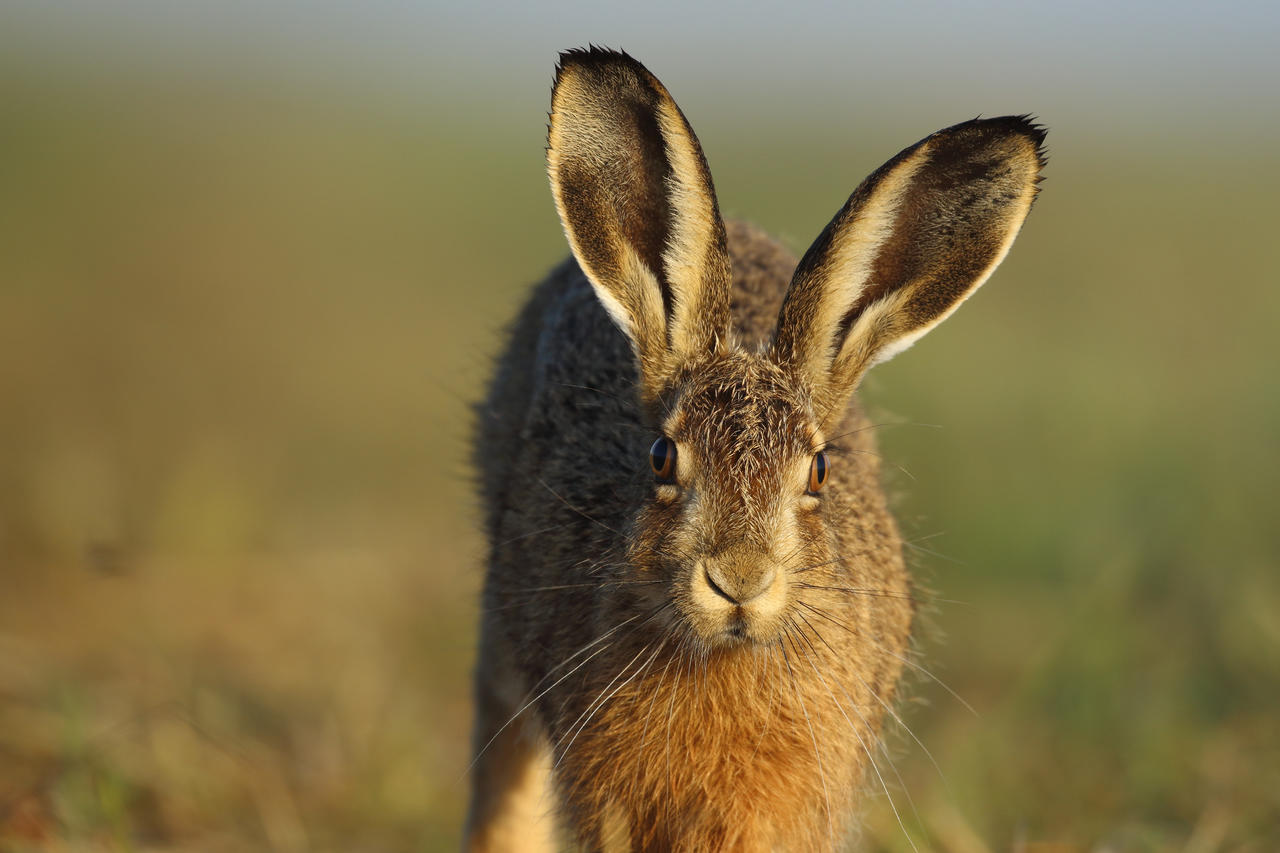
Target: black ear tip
<point x="592" y="56"/>
<point x="1025" y="125"/>
<point x="1030" y="126"/>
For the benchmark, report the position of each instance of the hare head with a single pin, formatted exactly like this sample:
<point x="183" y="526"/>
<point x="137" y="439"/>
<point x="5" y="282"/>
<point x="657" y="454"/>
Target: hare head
<point x="688" y="514"/>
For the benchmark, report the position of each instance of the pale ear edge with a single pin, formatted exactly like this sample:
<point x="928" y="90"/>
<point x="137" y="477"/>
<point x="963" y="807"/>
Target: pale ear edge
<point x="843" y="273"/>
<point x="696" y="256"/>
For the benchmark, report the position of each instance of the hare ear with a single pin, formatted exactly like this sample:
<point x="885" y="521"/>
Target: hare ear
<point x="635" y="197"/>
<point x="915" y="239"/>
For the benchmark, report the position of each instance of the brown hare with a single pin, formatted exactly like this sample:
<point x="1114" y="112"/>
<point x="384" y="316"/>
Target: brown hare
<point x="696" y="610"/>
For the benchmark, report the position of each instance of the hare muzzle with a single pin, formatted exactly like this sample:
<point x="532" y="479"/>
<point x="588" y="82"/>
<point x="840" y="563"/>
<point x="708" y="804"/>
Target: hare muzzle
<point x="739" y="579"/>
<point x="738" y="594"/>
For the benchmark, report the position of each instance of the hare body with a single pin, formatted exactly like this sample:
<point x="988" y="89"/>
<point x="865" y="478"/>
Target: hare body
<point x="694" y="751"/>
<point x="696" y="609"/>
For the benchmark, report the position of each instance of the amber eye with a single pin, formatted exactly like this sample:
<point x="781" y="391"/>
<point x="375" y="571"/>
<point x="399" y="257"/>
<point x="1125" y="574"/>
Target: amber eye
<point x="662" y="458"/>
<point x="818" y="472"/>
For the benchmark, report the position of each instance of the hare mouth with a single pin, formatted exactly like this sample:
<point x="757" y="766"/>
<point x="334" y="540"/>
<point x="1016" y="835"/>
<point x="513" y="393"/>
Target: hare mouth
<point x="740" y="633"/>
<point x="736" y="627"/>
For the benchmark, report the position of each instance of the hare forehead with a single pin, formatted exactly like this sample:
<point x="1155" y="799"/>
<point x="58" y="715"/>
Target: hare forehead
<point x="745" y="411"/>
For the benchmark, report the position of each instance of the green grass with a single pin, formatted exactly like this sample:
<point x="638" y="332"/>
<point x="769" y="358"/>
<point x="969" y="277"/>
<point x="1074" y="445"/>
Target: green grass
<point x="238" y="337"/>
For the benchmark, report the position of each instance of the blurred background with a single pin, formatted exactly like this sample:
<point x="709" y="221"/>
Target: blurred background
<point x="255" y="260"/>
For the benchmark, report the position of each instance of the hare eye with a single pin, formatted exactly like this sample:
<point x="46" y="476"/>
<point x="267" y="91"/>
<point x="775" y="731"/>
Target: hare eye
<point x="662" y="458"/>
<point x="819" y="469"/>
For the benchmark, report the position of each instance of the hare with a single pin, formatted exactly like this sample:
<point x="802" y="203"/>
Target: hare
<point x="696" y="609"/>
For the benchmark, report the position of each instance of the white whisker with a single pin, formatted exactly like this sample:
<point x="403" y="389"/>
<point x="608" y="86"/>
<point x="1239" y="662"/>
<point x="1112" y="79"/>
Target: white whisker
<point x="867" y="727"/>
<point x="822" y="776"/>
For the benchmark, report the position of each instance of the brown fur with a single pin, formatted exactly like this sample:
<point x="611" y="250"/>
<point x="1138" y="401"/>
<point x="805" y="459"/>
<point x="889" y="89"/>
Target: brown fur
<point x="705" y="663"/>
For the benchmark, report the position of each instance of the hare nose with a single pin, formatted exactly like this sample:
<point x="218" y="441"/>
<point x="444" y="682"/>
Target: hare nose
<point x="737" y="583"/>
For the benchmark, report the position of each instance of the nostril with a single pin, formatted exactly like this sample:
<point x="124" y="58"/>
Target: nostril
<point x="741" y="589"/>
<point x="716" y="588"/>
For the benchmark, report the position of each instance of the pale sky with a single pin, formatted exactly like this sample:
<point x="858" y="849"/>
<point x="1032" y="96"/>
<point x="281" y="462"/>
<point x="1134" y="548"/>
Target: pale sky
<point x="1189" y="62"/>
